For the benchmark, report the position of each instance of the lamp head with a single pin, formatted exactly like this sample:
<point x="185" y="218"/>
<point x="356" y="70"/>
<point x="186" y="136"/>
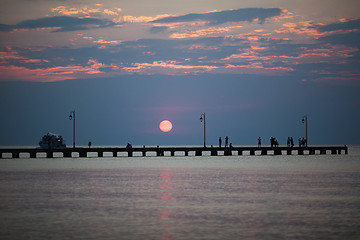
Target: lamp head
<point x="70" y="116"/>
<point x="201" y="119"/>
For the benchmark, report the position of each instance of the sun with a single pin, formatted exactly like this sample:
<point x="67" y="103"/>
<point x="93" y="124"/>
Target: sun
<point x="165" y="126"/>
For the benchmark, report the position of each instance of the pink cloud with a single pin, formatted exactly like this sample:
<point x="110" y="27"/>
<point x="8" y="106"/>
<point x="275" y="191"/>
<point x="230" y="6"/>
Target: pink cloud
<point x="204" y="32"/>
<point x="247" y="54"/>
<point x="170" y="67"/>
<point x="260" y="66"/>
<point x="142" y="19"/>
<point x="285" y="14"/>
<point x="332" y="53"/>
<point x="85" y="11"/>
<point x="52" y="74"/>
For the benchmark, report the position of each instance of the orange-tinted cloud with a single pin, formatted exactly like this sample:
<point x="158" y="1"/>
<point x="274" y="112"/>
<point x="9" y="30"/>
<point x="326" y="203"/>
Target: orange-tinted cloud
<point x="258" y="68"/>
<point x="171" y="67"/>
<point x="204" y="32"/>
<point x="84" y="11"/>
<point x="53" y="73"/>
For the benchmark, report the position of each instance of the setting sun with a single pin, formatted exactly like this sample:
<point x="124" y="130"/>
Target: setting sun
<point x="165" y="126"/>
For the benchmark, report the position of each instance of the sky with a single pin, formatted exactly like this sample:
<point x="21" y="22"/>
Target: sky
<point x="255" y="68"/>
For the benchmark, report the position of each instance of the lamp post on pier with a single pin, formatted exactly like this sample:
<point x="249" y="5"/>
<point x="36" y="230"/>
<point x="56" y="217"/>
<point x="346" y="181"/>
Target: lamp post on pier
<point x="304" y="120"/>
<point x="72" y="116"/>
<point x="202" y="117"/>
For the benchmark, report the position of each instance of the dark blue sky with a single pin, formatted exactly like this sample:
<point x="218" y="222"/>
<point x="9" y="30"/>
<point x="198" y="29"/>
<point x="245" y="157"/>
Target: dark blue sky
<point x="129" y="109"/>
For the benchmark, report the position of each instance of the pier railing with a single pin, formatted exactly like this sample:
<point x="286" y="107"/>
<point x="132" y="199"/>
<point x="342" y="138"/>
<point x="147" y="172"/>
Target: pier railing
<point x="169" y="151"/>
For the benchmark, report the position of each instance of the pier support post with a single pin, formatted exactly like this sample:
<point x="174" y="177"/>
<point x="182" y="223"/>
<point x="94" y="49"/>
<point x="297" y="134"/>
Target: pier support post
<point x="322" y="152"/>
<point x="130" y="153"/>
<point x="339" y="152"/>
<point x="288" y="152"/>
<point x="186" y="153"/>
<point x="100" y="154"/>
<point x="311" y="152"/>
<point x="227" y="152"/>
<point x="114" y="153"/>
<point x="67" y="154"/>
<point x="83" y="154"/>
<point x="15" y="155"/>
<point x="333" y="151"/>
<point x="346" y="150"/>
<point x="300" y="152"/>
<point x="144" y="153"/>
<point x="263" y="152"/>
<point x="49" y="154"/>
<point x="214" y="153"/>
<point x="252" y="152"/>
<point x="240" y="152"/>
<point x="32" y="154"/>
<point x="277" y="152"/>
<point x="159" y="153"/>
<point x="172" y="153"/>
<point x="198" y="153"/>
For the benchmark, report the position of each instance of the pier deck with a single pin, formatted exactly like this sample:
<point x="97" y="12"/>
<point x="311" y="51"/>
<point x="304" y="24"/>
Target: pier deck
<point x="168" y="151"/>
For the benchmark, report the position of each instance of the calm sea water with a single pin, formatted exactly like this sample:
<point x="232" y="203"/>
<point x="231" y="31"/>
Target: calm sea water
<point x="237" y="197"/>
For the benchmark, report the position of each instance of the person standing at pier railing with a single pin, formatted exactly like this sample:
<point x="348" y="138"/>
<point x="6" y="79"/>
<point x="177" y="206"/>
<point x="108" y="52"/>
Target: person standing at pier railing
<point x="219" y="142"/>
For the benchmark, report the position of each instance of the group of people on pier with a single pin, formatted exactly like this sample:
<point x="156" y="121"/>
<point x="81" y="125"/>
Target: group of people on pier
<point x="226" y="142"/>
<point x="274" y="142"/>
<point x="290" y="142"/>
<point x="302" y="142"/>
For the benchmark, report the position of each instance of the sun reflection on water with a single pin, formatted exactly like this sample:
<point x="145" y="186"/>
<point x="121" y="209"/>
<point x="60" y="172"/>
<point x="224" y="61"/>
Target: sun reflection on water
<point x="165" y="198"/>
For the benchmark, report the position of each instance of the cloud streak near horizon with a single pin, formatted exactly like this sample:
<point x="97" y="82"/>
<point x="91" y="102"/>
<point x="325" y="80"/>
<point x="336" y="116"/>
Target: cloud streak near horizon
<point x="221" y="17"/>
<point x="59" y="24"/>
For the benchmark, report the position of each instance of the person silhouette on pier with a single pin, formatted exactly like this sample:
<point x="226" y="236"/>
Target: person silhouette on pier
<point x="226" y="141"/>
<point x="219" y="142"/>
<point x="259" y="141"/>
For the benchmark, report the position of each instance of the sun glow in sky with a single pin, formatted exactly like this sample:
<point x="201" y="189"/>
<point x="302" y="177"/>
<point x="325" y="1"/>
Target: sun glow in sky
<point x="207" y="51"/>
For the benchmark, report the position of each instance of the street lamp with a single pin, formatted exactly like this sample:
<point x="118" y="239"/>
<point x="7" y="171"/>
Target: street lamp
<point x="72" y="116"/>
<point x="304" y="120"/>
<point x="201" y="119"/>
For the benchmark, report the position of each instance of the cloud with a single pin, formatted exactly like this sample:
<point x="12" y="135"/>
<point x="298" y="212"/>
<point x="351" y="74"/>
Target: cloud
<point x="60" y="23"/>
<point x="216" y="18"/>
<point x="57" y="73"/>
<point x="5" y="28"/>
<point x="85" y="11"/>
<point x="348" y="25"/>
<point x="350" y="39"/>
<point x="204" y="32"/>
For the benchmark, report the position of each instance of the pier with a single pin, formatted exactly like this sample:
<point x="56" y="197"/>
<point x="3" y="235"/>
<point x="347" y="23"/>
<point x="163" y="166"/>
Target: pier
<point x="168" y="151"/>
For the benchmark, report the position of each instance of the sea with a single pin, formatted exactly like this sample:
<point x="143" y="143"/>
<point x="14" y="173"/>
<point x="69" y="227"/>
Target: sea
<point x="193" y="197"/>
